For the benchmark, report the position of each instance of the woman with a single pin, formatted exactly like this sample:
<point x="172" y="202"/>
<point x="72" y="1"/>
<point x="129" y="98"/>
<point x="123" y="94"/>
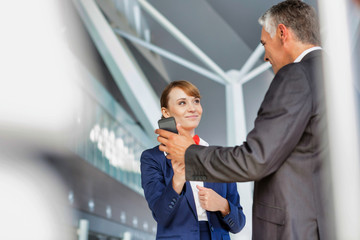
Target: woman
<point x="187" y="210"/>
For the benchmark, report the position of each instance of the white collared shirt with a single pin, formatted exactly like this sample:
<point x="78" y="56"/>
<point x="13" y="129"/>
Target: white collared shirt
<point x="201" y="213"/>
<point x="302" y="55"/>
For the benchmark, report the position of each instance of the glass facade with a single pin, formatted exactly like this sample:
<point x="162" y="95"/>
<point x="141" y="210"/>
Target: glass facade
<point x="105" y="137"/>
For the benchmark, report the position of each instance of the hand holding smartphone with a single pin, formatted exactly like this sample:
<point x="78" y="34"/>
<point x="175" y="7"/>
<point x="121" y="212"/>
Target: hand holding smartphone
<point x="168" y="124"/>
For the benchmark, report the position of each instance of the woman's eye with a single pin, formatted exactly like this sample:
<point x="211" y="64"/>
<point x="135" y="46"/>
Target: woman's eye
<point x="182" y="103"/>
<point x="197" y="101"/>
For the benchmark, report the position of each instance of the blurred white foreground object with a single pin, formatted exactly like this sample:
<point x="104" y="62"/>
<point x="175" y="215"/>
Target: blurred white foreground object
<point x="32" y="202"/>
<point x="38" y="96"/>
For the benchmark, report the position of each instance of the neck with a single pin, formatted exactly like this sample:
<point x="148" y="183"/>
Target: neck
<point x="191" y="132"/>
<point x="298" y="49"/>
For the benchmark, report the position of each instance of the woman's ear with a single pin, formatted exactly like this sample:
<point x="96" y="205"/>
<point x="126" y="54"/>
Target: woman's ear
<point x="165" y="112"/>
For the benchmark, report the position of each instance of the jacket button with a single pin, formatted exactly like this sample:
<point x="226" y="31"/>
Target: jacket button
<point x="212" y="228"/>
<point x="171" y="206"/>
<point x="174" y="200"/>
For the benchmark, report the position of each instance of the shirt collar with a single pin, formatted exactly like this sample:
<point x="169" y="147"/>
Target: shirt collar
<point x="196" y="139"/>
<point x="300" y="57"/>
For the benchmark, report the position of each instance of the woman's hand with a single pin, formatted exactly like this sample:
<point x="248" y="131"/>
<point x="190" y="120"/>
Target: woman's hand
<point x="178" y="179"/>
<point x="212" y="201"/>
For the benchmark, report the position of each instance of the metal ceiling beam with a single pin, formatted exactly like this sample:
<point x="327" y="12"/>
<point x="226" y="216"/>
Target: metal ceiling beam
<point x="183" y="39"/>
<point x="252" y="60"/>
<point x="244" y="74"/>
<point x="171" y="56"/>
<point x="111" y="10"/>
<point x="255" y="72"/>
<point x="127" y="74"/>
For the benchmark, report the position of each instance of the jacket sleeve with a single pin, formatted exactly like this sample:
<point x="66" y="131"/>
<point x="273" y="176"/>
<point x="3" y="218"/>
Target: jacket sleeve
<point x="162" y="199"/>
<point x="282" y="118"/>
<point x="235" y="220"/>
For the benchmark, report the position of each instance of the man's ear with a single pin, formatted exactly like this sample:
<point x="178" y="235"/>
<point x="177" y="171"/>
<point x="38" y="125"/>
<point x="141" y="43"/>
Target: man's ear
<point x="283" y="32"/>
<point x="165" y="112"/>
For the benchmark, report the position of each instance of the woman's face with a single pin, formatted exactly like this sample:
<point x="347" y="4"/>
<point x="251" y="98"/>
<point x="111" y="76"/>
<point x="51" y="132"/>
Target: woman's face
<point x="185" y="109"/>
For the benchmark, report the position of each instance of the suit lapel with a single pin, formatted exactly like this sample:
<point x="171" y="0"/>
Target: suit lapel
<point x="168" y="162"/>
<point x="188" y="193"/>
<point x="190" y="198"/>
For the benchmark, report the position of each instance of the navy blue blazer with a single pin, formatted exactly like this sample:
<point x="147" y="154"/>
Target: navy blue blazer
<point x="176" y="214"/>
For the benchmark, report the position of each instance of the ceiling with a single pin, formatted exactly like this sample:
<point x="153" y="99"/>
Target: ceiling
<point x="227" y="31"/>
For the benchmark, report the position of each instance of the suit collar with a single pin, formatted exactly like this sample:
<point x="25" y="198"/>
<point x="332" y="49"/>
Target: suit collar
<point x="304" y="53"/>
<point x="312" y="54"/>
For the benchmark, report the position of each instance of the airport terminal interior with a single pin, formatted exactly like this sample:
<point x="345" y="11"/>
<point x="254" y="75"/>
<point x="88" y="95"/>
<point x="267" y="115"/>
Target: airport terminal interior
<point x="85" y="103"/>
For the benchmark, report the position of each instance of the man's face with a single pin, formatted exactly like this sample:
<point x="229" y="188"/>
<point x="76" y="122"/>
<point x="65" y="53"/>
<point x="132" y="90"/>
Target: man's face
<point x="274" y="51"/>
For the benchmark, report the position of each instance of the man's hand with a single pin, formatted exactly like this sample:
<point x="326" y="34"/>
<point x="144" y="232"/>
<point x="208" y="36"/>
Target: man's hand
<point x="212" y="201"/>
<point x="174" y="145"/>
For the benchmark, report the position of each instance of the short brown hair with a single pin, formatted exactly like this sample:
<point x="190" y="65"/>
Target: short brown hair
<point x="189" y="88"/>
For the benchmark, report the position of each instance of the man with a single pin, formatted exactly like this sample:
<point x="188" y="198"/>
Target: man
<point x="284" y="153"/>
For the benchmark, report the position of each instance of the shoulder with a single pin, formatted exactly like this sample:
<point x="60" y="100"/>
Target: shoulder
<point x="152" y="152"/>
<point x="311" y="60"/>
<point x="152" y="158"/>
<point x="292" y="70"/>
<point x="291" y="78"/>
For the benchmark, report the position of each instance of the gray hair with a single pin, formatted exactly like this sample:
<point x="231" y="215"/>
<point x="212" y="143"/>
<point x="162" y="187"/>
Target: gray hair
<point x="296" y="15"/>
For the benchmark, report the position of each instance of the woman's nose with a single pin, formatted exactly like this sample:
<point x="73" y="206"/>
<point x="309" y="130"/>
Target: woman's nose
<point x="191" y="107"/>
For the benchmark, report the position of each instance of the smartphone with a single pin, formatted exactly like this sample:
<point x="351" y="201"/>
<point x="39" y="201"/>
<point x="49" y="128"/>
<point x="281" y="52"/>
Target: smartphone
<point x="168" y="124"/>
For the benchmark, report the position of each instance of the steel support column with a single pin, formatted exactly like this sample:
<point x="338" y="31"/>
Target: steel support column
<point x="236" y="135"/>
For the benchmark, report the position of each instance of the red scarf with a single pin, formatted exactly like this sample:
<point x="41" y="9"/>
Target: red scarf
<point x="196" y="139"/>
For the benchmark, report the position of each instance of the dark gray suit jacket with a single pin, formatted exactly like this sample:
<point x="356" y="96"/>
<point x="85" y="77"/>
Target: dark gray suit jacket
<point x="284" y="154"/>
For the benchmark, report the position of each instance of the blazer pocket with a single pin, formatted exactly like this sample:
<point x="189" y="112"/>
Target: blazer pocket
<point x="271" y="214"/>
